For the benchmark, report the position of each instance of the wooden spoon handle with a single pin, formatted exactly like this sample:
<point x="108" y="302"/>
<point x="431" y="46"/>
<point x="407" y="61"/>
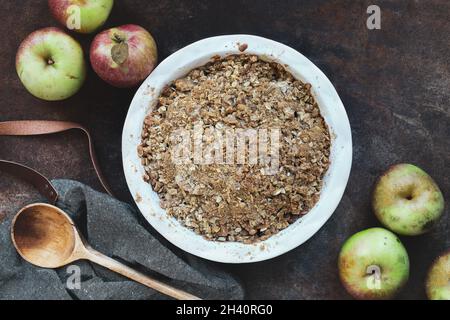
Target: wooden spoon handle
<point x="132" y="274"/>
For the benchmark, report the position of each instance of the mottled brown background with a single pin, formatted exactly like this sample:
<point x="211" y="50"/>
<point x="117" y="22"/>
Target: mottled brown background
<point x="395" y="84"/>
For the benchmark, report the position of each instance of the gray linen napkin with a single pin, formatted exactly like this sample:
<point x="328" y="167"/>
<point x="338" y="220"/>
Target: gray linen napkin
<point x="113" y="228"/>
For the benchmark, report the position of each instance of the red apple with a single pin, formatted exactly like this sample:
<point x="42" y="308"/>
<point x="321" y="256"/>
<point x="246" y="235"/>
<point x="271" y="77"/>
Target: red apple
<point x="124" y="56"/>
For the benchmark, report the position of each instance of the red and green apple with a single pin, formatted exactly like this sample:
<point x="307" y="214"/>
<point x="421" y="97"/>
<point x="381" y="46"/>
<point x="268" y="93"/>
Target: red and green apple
<point x="124" y="56"/>
<point x="83" y="16"/>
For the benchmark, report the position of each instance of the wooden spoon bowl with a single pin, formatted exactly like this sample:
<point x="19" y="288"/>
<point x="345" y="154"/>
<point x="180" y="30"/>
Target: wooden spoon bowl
<point x="46" y="237"/>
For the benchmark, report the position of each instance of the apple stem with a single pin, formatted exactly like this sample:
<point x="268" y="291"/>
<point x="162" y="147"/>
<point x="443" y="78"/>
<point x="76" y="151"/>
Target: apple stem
<point x="117" y="38"/>
<point x="50" y="62"/>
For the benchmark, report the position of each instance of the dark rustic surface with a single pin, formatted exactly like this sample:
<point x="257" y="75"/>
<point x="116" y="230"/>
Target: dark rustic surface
<point x="395" y="84"/>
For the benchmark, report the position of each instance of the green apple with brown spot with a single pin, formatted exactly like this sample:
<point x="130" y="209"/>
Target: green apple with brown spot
<point x="407" y="201"/>
<point x="438" y="279"/>
<point x="50" y="64"/>
<point x="373" y="265"/>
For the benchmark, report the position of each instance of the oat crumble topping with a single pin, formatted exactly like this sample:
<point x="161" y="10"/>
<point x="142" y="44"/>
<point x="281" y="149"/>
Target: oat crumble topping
<point x="238" y="202"/>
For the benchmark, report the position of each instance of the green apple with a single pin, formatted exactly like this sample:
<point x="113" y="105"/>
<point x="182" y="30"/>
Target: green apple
<point x="83" y="16"/>
<point x="407" y="200"/>
<point x="438" y="280"/>
<point x="51" y="64"/>
<point x="373" y="265"/>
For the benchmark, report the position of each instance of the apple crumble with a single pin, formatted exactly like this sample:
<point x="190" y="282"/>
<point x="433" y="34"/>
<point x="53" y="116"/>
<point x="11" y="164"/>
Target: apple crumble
<point x="237" y="199"/>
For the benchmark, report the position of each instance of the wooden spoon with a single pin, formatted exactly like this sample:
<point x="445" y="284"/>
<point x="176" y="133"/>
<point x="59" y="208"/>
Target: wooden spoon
<point x="46" y="237"/>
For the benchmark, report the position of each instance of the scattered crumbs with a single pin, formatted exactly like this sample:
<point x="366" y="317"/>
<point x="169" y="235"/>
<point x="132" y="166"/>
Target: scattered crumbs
<point x="242" y="47"/>
<point x="150" y="90"/>
<point x="334" y="137"/>
<point x="138" y="198"/>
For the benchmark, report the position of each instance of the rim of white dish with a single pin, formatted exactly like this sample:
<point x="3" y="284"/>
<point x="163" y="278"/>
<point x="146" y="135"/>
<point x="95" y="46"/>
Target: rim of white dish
<point x="332" y="109"/>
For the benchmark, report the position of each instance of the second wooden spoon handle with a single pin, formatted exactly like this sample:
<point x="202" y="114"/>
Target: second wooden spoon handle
<point x="132" y="274"/>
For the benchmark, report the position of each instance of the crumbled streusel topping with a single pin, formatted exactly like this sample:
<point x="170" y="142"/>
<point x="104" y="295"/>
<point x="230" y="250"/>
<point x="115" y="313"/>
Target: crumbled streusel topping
<point x="237" y="202"/>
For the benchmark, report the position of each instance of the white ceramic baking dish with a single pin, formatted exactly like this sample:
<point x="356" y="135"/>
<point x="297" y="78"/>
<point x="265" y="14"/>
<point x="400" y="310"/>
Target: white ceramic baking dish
<point x="332" y="109"/>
